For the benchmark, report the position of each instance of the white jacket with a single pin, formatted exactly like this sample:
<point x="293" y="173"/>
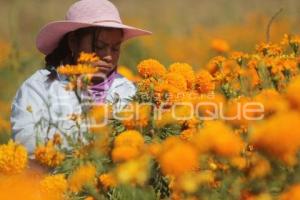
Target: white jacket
<point x="50" y="101"/>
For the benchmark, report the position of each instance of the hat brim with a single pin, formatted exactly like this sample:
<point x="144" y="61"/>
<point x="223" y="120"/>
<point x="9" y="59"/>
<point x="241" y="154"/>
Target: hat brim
<point x="51" y="34"/>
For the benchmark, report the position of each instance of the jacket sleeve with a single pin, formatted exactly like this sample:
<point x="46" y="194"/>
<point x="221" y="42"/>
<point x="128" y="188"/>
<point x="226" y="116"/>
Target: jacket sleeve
<point x="27" y="113"/>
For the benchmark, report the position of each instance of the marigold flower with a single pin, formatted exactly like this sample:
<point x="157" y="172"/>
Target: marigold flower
<point x="54" y="186"/>
<point x="124" y="153"/>
<point x="204" y="82"/>
<point x="79" y="69"/>
<point x="176" y="80"/>
<point x="88" y="58"/>
<point x="293" y="192"/>
<point x="165" y="93"/>
<point x="218" y="138"/>
<point x="280" y="127"/>
<point x="108" y="180"/>
<point x="220" y="45"/>
<point x="135" y="115"/>
<point x="13" y="158"/>
<point x="48" y="155"/>
<point x="185" y="70"/>
<point x="187" y="134"/>
<point x="269" y="49"/>
<point x="127" y="145"/>
<point x="150" y="67"/>
<point x="174" y="148"/>
<point x="134" y="171"/>
<point x="83" y="175"/>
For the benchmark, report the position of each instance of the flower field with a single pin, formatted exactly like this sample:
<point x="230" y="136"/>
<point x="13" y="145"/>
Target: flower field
<point x="215" y="116"/>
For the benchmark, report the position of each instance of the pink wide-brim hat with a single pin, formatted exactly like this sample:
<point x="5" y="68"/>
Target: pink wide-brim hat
<point x="84" y="13"/>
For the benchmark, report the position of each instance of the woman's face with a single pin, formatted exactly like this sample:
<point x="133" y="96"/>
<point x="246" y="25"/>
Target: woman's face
<point x="107" y="47"/>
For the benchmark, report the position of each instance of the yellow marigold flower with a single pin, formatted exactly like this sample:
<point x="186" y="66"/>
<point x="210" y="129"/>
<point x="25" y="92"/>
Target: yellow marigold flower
<point x="220" y="45"/>
<point x="88" y="58"/>
<point x="174" y="148"/>
<point x="13" y="158"/>
<point x="292" y="93"/>
<point x="190" y="182"/>
<point x="108" y="180"/>
<point x="48" y="155"/>
<point x="281" y="127"/>
<point x="151" y="67"/>
<point x="204" y="82"/>
<point x="269" y="49"/>
<point x="134" y="171"/>
<point x="83" y="175"/>
<point x="218" y="138"/>
<point x="206" y="104"/>
<point x="71" y="70"/>
<point x="54" y="186"/>
<point x="185" y="70"/>
<point x="292" y="193"/>
<point x="176" y="80"/>
<point x="126" y="72"/>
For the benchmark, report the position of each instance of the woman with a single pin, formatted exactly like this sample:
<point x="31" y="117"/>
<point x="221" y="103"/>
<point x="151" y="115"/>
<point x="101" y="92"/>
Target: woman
<point x="42" y="105"/>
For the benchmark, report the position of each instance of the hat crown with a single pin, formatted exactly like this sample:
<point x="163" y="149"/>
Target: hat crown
<point x="92" y="11"/>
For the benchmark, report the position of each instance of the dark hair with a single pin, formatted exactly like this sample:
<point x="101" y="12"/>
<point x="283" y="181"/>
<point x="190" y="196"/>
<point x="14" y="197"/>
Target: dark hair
<point x="63" y="51"/>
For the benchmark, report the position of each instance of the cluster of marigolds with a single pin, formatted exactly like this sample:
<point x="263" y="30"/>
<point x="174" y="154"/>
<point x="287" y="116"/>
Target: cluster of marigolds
<point x="178" y="155"/>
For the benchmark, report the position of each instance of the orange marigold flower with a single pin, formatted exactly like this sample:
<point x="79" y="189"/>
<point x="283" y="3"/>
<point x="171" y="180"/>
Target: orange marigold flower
<point x="135" y="115"/>
<point x="131" y="138"/>
<point x="281" y="127"/>
<point x="185" y="70"/>
<point x="176" y="80"/>
<point x="48" y="155"/>
<point x="151" y="67"/>
<point x="108" y="180"/>
<point x="13" y="158"/>
<point x="278" y="103"/>
<point x="218" y="138"/>
<point x="124" y="153"/>
<point x="215" y="64"/>
<point x="165" y="93"/>
<point x="88" y="58"/>
<point x="71" y="70"/>
<point x="174" y="148"/>
<point x="292" y="193"/>
<point x="220" y="45"/>
<point x="83" y="175"/>
<point x="269" y="49"/>
<point x="127" y="145"/>
<point x="204" y="82"/>
<point x="54" y="186"/>
<point x="187" y="134"/>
